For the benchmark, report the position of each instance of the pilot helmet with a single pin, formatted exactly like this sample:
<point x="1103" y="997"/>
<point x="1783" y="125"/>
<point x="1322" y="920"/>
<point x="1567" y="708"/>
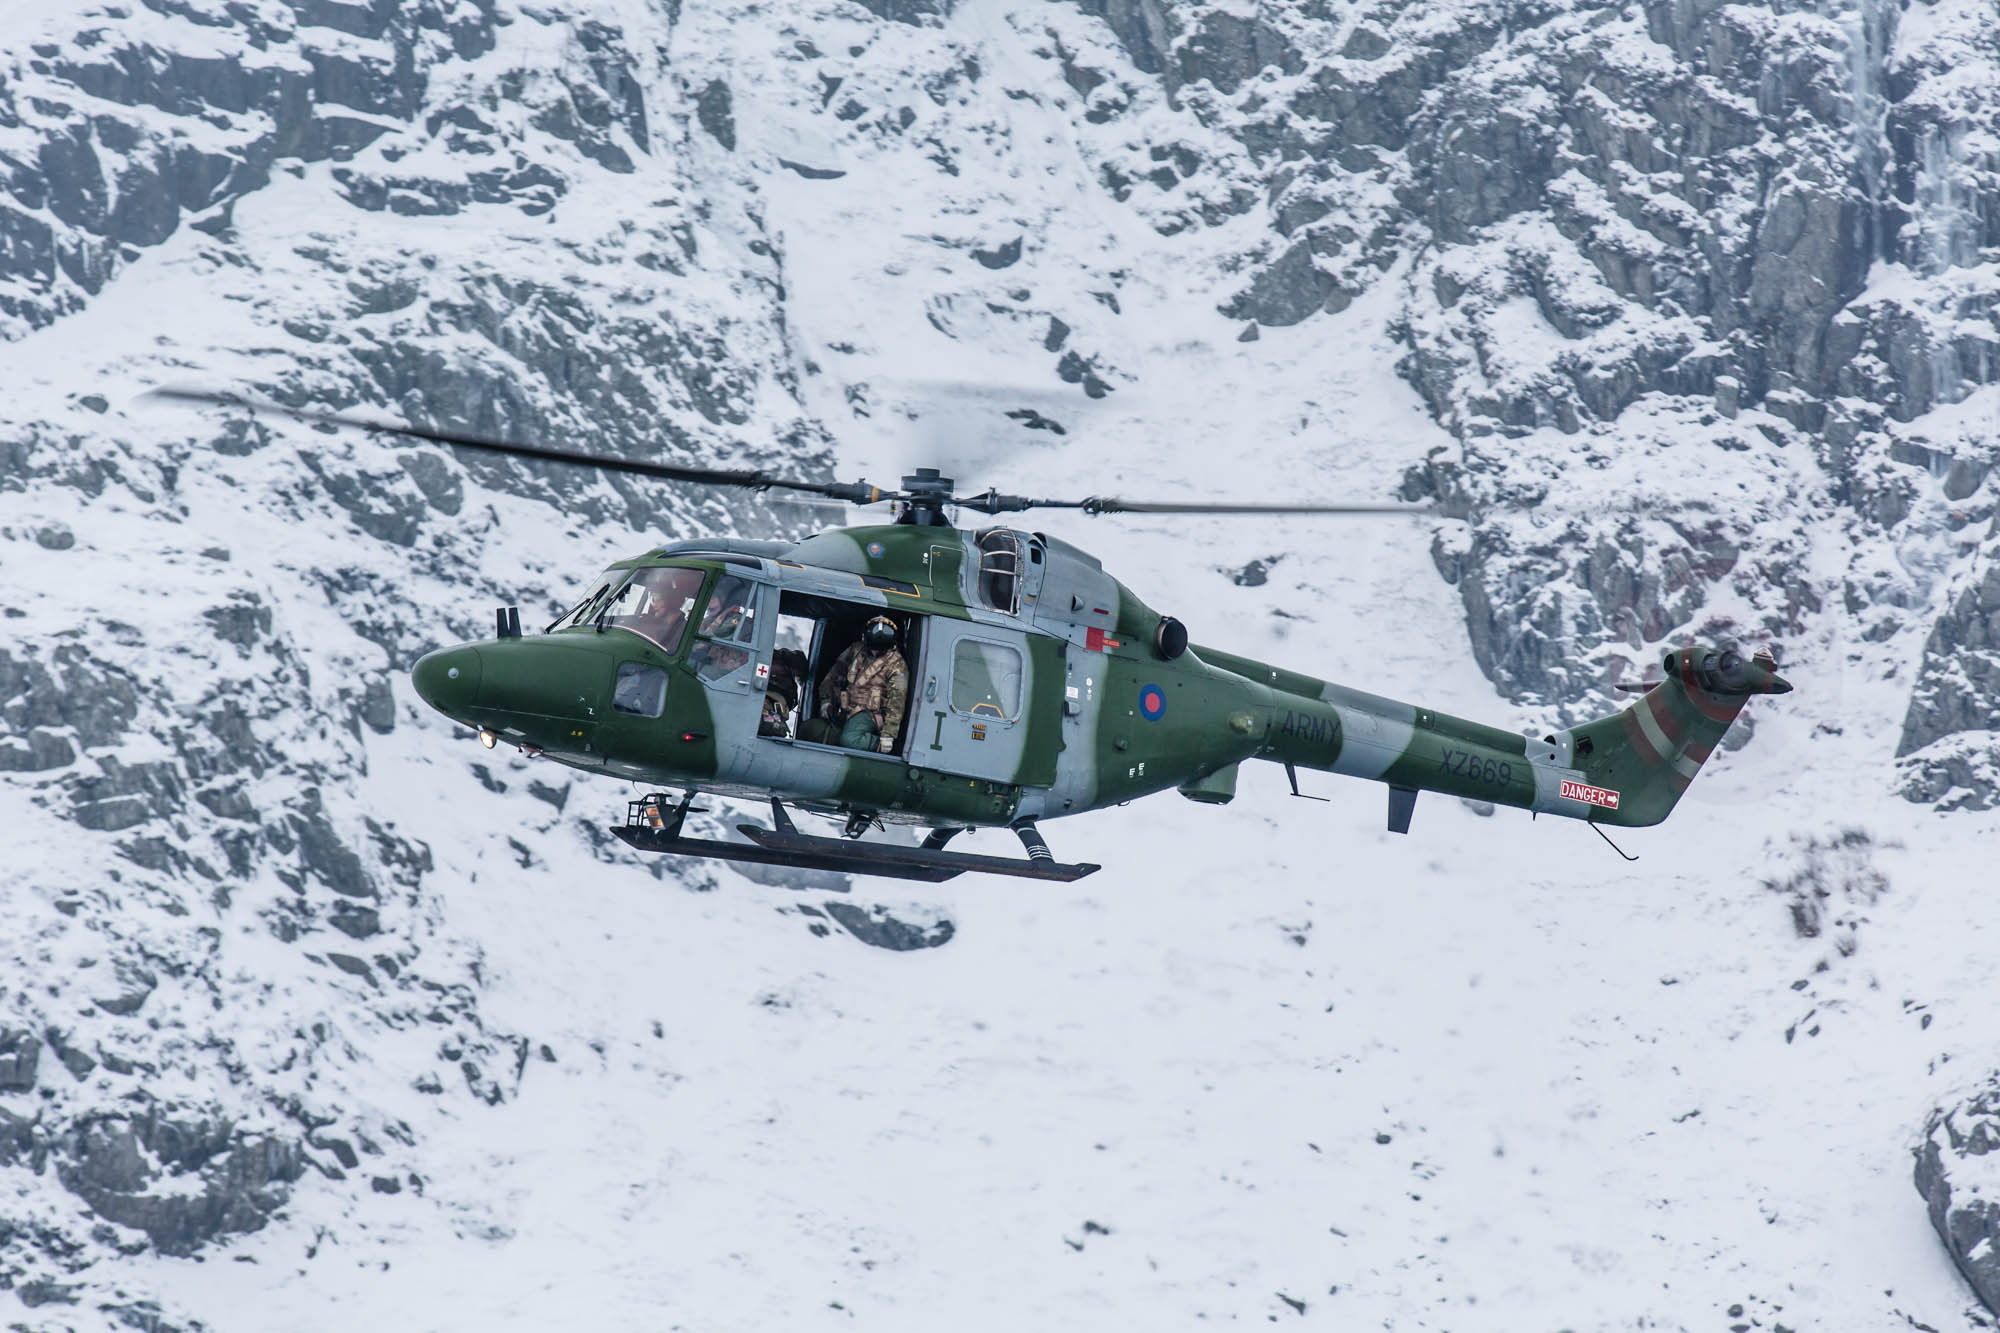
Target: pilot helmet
<point x="879" y="633"/>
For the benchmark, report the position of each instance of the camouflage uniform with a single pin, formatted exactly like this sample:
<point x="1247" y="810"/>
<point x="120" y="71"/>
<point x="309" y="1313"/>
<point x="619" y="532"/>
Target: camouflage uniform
<point x="727" y="615"/>
<point x="722" y="622"/>
<point x="877" y="684"/>
<point x="776" y="719"/>
<point x="781" y="694"/>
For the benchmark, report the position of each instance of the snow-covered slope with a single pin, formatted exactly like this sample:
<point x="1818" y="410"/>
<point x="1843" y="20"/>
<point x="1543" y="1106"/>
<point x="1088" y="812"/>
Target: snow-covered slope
<point x="313" y="1014"/>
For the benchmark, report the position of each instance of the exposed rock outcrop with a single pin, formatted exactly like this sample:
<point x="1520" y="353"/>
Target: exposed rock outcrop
<point x="1753" y="232"/>
<point x="1958" y="1173"/>
<point x="1951" y="735"/>
<point x="213" y="759"/>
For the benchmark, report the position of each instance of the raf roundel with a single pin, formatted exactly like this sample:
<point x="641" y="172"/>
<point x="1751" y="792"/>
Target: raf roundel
<point x="874" y="550"/>
<point x="1152" y="702"/>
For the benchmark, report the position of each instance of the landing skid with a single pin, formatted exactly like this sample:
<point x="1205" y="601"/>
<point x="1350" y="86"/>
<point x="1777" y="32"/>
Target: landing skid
<point x="657" y="840"/>
<point x="651" y="826"/>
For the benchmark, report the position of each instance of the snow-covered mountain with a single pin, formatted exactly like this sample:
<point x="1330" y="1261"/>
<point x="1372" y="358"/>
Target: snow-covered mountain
<point x="313" y="1014"/>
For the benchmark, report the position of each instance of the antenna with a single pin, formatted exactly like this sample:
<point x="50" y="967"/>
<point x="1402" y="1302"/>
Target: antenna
<point x="1607" y="840"/>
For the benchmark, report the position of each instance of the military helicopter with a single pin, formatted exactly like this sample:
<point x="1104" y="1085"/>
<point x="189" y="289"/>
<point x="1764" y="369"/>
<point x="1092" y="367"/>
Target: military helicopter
<point x="1037" y="686"/>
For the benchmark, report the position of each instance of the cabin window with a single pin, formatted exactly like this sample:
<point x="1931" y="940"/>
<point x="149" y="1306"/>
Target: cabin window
<point x="985" y="679"/>
<point x="641" y="690"/>
<point x="1000" y="570"/>
<point x="713" y="661"/>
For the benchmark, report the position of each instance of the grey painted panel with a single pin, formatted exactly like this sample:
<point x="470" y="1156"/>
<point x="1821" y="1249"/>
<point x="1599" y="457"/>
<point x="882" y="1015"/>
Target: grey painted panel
<point x="951" y="729"/>
<point x="1362" y="701"/>
<point x="1548" y="791"/>
<point x="1371" y="741"/>
<point x="1074" y="593"/>
<point x="1076" y="768"/>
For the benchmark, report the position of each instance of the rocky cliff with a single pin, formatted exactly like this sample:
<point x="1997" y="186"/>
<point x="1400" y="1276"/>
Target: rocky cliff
<point x="1738" y="250"/>
<point x="1698" y="305"/>
<point x="207" y="629"/>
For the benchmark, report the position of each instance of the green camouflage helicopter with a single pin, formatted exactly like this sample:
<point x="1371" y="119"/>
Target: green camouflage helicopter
<point x="1035" y="685"/>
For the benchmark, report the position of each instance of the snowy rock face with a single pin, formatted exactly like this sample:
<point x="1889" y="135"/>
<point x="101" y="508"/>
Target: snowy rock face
<point x="1702" y="299"/>
<point x="131" y="123"/>
<point x="206" y="630"/>
<point x="1955" y="1174"/>
<point x="1751" y="244"/>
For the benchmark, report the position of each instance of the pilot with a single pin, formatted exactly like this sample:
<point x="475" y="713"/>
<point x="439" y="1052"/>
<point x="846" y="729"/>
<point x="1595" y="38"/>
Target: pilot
<point x="863" y="696"/>
<point x="663" y="618"/>
<point x="722" y="620"/>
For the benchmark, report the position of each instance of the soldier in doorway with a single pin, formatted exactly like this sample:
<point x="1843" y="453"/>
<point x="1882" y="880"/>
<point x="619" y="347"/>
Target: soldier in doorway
<point x="781" y="692"/>
<point x="861" y="699"/>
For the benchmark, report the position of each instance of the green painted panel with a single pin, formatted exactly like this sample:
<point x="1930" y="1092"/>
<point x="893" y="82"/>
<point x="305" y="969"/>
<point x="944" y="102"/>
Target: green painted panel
<point x="943" y="798"/>
<point x="1476" y="733"/>
<point x="1436" y="761"/>
<point x="1292" y="682"/>
<point x="1162" y="723"/>
<point x="947" y="563"/>
<point x="1042" y="750"/>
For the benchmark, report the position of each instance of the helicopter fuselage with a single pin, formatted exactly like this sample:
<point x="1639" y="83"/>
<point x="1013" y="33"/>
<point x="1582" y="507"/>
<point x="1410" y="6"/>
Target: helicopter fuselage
<point x="1011" y="713"/>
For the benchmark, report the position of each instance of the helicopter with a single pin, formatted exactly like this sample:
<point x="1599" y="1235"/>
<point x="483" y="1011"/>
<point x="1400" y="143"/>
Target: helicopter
<point x="1036" y="686"/>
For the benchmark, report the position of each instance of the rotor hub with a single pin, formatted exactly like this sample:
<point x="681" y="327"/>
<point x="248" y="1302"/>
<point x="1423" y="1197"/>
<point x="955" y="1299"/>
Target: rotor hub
<point x="928" y="483"/>
<point x="926" y="493"/>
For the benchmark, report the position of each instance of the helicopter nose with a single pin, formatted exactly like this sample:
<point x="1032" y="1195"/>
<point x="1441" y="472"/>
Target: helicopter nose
<point x="448" y="679"/>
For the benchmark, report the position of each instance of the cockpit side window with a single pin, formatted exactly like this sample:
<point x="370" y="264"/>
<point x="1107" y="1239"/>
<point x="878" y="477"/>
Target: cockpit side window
<point x="641" y="689"/>
<point x="728" y="628"/>
<point x="1000" y="570"/>
<point x="731" y="612"/>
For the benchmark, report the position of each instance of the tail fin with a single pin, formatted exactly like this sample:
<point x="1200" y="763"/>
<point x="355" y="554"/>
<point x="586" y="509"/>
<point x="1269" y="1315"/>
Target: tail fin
<point x="1638" y="762"/>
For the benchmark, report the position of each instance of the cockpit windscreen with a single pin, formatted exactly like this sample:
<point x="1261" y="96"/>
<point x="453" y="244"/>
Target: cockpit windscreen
<point x="656" y="603"/>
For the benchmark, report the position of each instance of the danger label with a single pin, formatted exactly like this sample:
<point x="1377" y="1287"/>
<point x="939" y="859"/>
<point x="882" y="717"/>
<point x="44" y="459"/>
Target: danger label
<point x="1589" y="795"/>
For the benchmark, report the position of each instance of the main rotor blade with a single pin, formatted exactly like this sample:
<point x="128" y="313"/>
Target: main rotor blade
<point x="991" y="502"/>
<point x="1098" y="504"/>
<point x="747" y="478"/>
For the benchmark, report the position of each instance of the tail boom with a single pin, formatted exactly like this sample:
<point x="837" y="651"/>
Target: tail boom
<point x="1626" y="769"/>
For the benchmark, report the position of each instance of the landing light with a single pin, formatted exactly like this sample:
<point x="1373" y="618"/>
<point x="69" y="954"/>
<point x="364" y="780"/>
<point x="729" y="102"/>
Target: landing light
<point x="486" y="737"/>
